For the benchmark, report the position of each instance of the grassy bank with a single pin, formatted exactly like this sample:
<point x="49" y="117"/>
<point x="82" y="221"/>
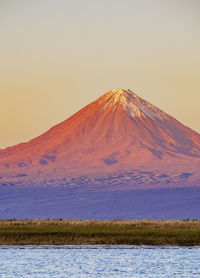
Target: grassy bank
<point x="56" y="232"/>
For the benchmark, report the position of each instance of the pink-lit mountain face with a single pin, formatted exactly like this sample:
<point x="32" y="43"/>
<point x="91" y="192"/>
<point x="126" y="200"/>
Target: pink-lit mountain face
<point x="119" y="141"/>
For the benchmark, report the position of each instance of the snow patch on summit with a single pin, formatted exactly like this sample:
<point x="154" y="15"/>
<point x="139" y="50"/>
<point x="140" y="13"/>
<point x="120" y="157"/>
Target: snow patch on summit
<point x="135" y="106"/>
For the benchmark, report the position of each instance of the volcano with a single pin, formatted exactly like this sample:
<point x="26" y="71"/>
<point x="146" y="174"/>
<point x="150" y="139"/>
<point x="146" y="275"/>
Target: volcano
<point x="119" y="142"/>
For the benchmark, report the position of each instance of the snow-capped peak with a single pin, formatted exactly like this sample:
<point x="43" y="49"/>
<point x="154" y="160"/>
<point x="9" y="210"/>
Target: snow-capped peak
<point x="132" y="104"/>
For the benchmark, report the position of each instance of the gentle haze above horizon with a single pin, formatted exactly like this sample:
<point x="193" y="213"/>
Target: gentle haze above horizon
<point x="58" y="56"/>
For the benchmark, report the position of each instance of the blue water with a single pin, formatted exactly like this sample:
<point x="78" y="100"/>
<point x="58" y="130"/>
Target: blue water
<point x="99" y="261"/>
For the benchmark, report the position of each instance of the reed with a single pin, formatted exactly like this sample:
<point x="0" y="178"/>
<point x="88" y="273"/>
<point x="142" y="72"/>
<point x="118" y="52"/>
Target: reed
<point x="136" y="232"/>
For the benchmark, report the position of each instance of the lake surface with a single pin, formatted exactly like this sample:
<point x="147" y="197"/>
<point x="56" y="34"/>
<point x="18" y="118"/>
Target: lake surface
<point x="99" y="261"/>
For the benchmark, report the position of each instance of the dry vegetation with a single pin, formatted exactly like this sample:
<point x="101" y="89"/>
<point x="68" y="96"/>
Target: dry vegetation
<point x="137" y="232"/>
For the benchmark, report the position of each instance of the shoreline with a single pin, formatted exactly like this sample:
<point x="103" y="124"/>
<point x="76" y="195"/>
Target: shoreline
<point x="99" y="246"/>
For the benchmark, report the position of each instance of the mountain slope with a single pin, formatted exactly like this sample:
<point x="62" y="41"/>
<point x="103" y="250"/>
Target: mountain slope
<point x="119" y="141"/>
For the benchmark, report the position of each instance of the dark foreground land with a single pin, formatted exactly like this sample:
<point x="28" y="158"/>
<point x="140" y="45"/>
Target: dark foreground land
<point x="63" y="232"/>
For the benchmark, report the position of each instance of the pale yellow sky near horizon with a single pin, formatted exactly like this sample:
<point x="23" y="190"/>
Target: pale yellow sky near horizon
<point x="58" y="56"/>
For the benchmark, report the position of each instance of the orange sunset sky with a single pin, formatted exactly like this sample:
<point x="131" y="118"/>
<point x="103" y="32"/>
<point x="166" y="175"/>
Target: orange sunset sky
<point x="58" y="56"/>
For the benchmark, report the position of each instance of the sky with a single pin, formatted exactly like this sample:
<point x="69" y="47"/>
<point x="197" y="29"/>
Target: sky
<point x="58" y="56"/>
